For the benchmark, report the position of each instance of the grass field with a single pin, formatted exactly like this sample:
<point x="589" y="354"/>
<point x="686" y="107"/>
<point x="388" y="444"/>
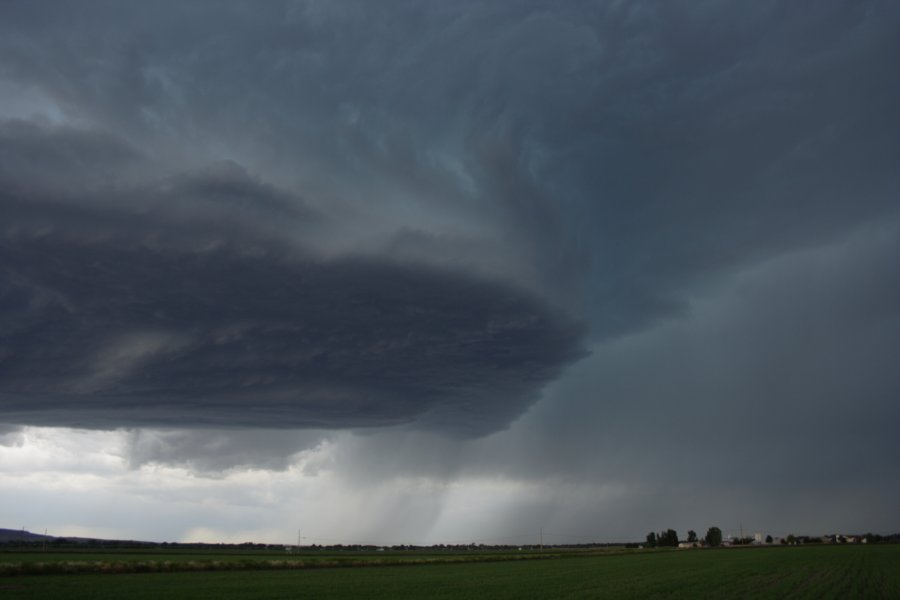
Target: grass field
<point x="794" y="572"/>
<point x="81" y="561"/>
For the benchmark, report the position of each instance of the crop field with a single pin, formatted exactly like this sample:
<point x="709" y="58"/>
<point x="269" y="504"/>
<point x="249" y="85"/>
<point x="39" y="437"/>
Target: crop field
<point x="82" y="561"/>
<point x="783" y="572"/>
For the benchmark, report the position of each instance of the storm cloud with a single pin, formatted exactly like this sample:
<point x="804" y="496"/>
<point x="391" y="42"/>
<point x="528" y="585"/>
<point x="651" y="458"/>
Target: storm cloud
<point x="135" y="325"/>
<point x="606" y="247"/>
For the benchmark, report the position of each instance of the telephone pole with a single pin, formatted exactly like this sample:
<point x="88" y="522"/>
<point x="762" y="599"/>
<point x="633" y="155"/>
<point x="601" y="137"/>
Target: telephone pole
<point x="542" y="539"/>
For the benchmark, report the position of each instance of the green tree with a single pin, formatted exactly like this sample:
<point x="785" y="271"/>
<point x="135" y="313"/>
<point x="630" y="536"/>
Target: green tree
<point x="768" y="539"/>
<point x="692" y="536"/>
<point x="714" y="536"/>
<point x="651" y="540"/>
<point x="667" y="538"/>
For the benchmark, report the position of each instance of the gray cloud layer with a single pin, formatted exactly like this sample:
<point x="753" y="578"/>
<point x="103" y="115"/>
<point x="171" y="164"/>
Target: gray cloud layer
<point x="340" y="215"/>
<point x="161" y="307"/>
<point x="624" y="152"/>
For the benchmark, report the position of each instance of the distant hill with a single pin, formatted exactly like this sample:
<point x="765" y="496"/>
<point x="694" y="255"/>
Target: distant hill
<point x="12" y="536"/>
<point x="20" y="535"/>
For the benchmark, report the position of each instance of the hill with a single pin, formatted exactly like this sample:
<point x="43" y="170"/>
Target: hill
<point x="20" y="535"/>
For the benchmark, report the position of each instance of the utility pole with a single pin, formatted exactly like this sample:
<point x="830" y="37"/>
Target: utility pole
<point x="542" y="539"/>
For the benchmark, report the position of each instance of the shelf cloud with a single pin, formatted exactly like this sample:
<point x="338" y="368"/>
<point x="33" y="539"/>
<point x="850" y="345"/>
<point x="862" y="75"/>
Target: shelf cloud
<point x="114" y="316"/>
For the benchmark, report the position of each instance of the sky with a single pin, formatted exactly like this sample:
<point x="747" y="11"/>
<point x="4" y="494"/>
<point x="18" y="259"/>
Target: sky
<point x="430" y="272"/>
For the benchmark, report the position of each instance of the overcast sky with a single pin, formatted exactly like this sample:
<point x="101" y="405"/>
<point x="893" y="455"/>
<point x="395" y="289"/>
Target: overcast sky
<point x="442" y="272"/>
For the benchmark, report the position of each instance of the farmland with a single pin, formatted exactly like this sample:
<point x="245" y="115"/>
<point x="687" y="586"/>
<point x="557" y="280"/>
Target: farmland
<point x="796" y="572"/>
<point x="81" y="561"/>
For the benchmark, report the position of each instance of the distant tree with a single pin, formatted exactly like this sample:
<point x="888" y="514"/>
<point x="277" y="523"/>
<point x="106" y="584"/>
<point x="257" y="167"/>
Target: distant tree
<point x="669" y="537"/>
<point x="791" y="539"/>
<point x="714" y="536"/>
<point x="651" y="540"/>
<point x="769" y="539"/>
<point x="692" y="536"/>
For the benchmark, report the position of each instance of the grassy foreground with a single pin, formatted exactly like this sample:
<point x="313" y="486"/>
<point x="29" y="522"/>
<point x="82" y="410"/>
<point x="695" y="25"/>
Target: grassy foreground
<point x="796" y="572"/>
<point x="79" y="561"/>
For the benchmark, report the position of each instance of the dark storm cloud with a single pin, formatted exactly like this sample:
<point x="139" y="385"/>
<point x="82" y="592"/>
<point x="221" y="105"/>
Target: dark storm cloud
<point x="171" y="302"/>
<point x="783" y="375"/>
<point x="214" y="451"/>
<point x="624" y="151"/>
<point x="141" y="287"/>
<point x="772" y="401"/>
<point x="84" y="182"/>
<point x="102" y="334"/>
<point x="617" y="159"/>
<point x="39" y="158"/>
<point x="744" y="132"/>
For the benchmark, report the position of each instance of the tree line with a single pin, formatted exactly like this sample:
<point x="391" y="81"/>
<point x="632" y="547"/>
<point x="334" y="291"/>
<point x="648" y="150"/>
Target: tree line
<point x="669" y="537"/>
<point x="713" y="538"/>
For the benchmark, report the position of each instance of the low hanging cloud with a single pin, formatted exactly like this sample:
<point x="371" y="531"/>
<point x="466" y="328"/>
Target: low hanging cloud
<point x="111" y="334"/>
<point x="215" y="451"/>
<point x="133" y="295"/>
<point x="147" y="315"/>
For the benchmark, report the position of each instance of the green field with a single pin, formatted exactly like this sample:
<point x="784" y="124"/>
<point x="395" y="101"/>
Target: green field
<point x="83" y="561"/>
<point x="792" y="572"/>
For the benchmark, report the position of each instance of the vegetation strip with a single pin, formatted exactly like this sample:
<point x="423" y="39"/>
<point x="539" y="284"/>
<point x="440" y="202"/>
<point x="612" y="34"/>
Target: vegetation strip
<point x="64" y="567"/>
<point x="813" y="572"/>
